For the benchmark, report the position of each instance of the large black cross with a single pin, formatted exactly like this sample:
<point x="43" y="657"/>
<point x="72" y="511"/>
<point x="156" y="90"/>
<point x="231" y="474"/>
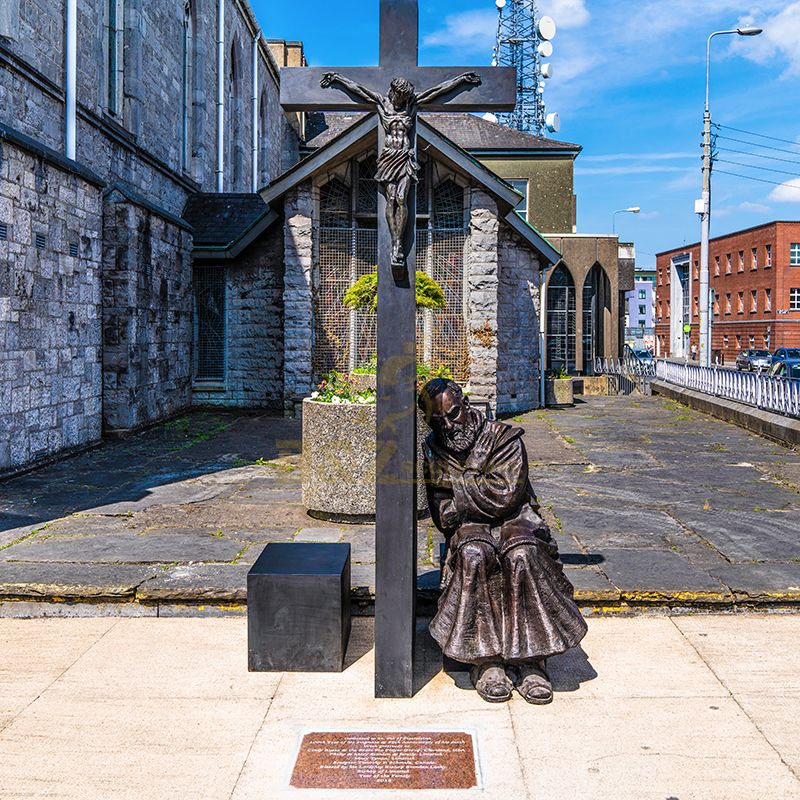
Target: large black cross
<point x="396" y="517"/>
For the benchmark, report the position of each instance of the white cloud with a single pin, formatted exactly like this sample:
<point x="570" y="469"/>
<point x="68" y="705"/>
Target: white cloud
<point x="473" y="30"/>
<point x="745" y="207"/>
<point x="777" y="42"/>
<point x="567" y="13"/>
<point x="788" y="192"/>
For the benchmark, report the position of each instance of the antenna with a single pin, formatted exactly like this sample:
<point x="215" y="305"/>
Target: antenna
<point x="523" y="41"/>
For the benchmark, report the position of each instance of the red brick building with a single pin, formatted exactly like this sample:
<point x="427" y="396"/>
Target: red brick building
<point x="754" y="283"/>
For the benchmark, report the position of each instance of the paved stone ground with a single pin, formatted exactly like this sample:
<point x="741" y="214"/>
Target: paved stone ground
<point x="651" y="503"/>
<point x="690" y="706"/>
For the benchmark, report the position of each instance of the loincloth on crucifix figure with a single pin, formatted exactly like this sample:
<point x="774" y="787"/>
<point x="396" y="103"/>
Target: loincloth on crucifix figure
<point x="506" y="605"/>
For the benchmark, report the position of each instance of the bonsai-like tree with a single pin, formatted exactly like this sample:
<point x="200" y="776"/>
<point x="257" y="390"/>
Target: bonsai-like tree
<point x="363" y="294"/>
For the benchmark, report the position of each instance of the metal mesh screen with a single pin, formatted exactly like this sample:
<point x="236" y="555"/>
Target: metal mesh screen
<point x="345" y="339"/>
<point x="209" y="323"/>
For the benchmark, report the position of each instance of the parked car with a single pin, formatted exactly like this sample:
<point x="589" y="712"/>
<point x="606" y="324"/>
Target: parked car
<point x="782" y="353"/>
<point x="645" y="356"/>
<point x="788" y="368"/>
<point x="753" y="360"/>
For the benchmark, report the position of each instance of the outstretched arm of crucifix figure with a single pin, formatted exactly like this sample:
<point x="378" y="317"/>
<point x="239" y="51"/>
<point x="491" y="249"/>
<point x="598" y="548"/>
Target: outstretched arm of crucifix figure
<point x="471" y="78"/>
<point x="329" y="78"/>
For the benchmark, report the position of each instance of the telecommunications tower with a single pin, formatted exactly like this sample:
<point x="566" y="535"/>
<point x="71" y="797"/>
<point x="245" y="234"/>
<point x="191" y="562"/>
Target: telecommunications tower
<point x="523" y="41"/>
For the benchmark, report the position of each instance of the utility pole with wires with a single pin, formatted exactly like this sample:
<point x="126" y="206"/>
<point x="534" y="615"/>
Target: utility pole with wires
<point x="524" y="41"/>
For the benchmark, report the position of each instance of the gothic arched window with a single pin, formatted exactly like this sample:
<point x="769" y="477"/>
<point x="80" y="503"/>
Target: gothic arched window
<point x="115" y="55"/>
<point x="263" y="139"/>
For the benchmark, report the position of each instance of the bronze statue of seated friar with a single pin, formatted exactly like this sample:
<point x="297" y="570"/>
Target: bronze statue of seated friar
<point x="506" y="605"/>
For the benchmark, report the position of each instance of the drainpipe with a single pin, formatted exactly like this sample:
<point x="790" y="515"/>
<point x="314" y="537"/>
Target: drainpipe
<point x="220" y="94"/>
<point x="70" y="130"/>
<point x="254" y="72"/>
<point x="542" y="338"/>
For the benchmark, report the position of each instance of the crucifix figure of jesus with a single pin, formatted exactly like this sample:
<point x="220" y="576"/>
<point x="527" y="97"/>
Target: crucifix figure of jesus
<point x="397" y="161"/>
<point x="410" y="86"/>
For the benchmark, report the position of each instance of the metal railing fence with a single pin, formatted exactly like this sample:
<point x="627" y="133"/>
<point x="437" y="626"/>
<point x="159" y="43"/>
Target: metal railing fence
<point x="629" y="365"/>
<point x="752" y="388"/>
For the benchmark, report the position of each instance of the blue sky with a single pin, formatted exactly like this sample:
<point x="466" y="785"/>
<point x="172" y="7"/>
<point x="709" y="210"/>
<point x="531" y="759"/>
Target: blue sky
<point x="628" y="85"/>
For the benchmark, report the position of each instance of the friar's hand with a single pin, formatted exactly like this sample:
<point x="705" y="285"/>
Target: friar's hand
<point x="472" y="77"/>
<point x="328" y="78"/>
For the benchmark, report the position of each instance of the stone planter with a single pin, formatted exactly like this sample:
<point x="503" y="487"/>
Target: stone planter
<point x="338" y="463"/>
<point x="558" y="392"/>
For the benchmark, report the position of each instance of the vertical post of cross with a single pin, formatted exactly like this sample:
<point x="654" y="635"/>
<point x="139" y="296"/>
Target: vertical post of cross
<point x="395" y="448"/>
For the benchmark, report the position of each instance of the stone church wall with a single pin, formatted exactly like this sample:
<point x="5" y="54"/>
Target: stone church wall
<point x="141" y="146"/>
<point x="254" y="320"/>
<point x="517" y="325"/>
<point x="147" y="315"/>
<point x="50" y="310"/>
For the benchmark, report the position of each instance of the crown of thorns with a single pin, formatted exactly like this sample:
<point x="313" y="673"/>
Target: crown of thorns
<point x="402" y="87"/>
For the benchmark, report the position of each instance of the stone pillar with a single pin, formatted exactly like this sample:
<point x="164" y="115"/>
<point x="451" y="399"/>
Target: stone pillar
<point x="481" y="302"/>
<point x="297" y="293"/>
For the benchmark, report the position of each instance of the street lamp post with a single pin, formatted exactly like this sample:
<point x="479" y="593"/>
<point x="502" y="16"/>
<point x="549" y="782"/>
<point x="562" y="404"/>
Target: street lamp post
<point x="705" y="204"/>
<point x="631" y="210"/>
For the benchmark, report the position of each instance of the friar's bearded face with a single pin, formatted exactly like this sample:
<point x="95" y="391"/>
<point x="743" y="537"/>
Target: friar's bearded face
<point x="450" y="419"/>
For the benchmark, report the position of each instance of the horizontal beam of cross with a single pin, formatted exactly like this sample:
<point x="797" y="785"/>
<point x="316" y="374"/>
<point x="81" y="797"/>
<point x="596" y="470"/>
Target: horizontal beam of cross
<point x="301" y="90"/>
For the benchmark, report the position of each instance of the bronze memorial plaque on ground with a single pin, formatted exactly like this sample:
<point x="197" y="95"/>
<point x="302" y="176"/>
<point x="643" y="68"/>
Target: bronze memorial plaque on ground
<point x="373" y="760"/>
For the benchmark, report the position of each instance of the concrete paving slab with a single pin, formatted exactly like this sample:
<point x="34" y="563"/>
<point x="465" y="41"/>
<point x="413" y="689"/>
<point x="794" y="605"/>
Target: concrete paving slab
<point x="649" y="749"/>
<point x="771" y="583"/>
<point x="319" y="534"/>
<point x="39" y="581"/>
<point x="23" y="678"/>
<point x="758" y="536"/>
<point x="591" y="586"/>
<point x="201" y="583"/>
<point x="645" y="576"/>
<point x="126" y="548"/>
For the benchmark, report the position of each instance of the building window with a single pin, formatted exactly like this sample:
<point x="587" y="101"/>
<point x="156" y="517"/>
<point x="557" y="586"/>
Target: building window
<point x="794" y="299"/>
<point x="753" y="300"/>
<point x="794" y="254"/>
<point x="754" y="258"/>
<point x="741" y="303"/>
<point x="716" y="266"/>
<point x="767" y="299"/>
<point x="522" y="187"/>
<point x="752" y="341"/>
<point x="725" y="342"/>
<point x="694" y="307"/>
<point x="716" y="307"/>
<point x="41" y="241"/>
<point x="209" y="324"/>
<point x="727" y="263"/>
<point x="738" y="342"/>
<point x="696" y="270"/>
<point x="3" y="231"/>
<point x="766" y="341"/>
<point x="116" y="55"/>
<point x="768" y="248"/>
<point x="728" y="303"/>
<point x="642" y="294"/>
<point x="741" y="261"/>
<point x="642" y="310"/>
<point x="660" y="279"/>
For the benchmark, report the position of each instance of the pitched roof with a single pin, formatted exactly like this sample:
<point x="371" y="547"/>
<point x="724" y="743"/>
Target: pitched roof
<point x="365" y="129"/>
<point x="224" y="224"/>
<point x="466" y="130"/>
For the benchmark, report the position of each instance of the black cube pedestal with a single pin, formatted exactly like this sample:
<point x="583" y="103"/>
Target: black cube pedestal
<point x="298" y="608"/>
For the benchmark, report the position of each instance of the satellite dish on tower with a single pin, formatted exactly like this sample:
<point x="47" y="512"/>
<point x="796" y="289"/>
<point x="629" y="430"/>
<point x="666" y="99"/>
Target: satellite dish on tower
<point x="552" y="122"/>
<point x="546" y="70"/>
<point x="545" y="49"/>
<point x="546" y="26"/>
<point x="500" y="3"/>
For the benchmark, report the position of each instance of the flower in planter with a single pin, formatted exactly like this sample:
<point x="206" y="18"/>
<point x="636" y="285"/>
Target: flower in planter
<point x="337" y="388"/>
